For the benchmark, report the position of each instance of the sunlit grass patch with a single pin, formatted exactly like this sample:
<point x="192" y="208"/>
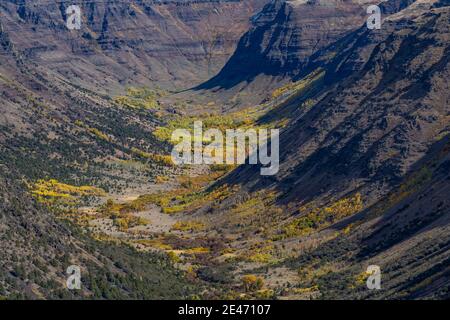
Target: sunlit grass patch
<point x="197" y="250"/>
<point x="140" y="98"/>
<point x="154" y="243"/>
<point x="53" y="192"/>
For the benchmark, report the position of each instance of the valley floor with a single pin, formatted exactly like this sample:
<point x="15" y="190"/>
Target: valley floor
<point x="240" y="244"/>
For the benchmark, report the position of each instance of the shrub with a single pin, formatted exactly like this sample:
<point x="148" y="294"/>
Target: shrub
<point x="251" y="283"/>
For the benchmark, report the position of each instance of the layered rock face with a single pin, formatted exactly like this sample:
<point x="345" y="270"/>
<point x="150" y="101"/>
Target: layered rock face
<point x="282" y="38"/>
<point x="174" y="43"/>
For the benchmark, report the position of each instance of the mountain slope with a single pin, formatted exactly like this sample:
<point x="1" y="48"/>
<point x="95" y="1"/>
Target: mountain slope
<point x="406" y="234"/>
<point x="59" y="127"/>
<point x="382" y="103"/>
<point x="61" y="121"/>
<point x="364" y="176"/>
<point x="59" y="86"/>
<point x="364" y="167"/>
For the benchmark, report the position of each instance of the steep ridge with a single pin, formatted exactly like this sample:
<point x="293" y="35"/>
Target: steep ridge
<point x="282" y="38"/>
<point x="406" y="234"/>
<point x="174" y="43"/>
<point x="372" y="126"/>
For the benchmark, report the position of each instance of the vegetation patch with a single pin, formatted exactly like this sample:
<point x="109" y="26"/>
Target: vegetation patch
<point x="141" y="98"/>
<point x="300" y="85"/>
<point x="54" y="193"/>
<point x="158" y="158"/>
<point x="251" y="283"/>
<point x="319" y="218"/>
<point x="188" y="226"/>
<point x="240" y="119"/>
<point x="127" y="221"/>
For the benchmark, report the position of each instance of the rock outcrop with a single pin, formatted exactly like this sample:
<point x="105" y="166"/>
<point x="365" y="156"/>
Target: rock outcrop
<point x="282" y="38"/>
<point x="173" y="43"/>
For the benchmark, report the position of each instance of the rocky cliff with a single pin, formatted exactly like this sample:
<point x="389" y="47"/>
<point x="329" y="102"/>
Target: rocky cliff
<point x="174" y="43"/>
<point x="377" y="125"/>
<point x="381" y="102"/>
